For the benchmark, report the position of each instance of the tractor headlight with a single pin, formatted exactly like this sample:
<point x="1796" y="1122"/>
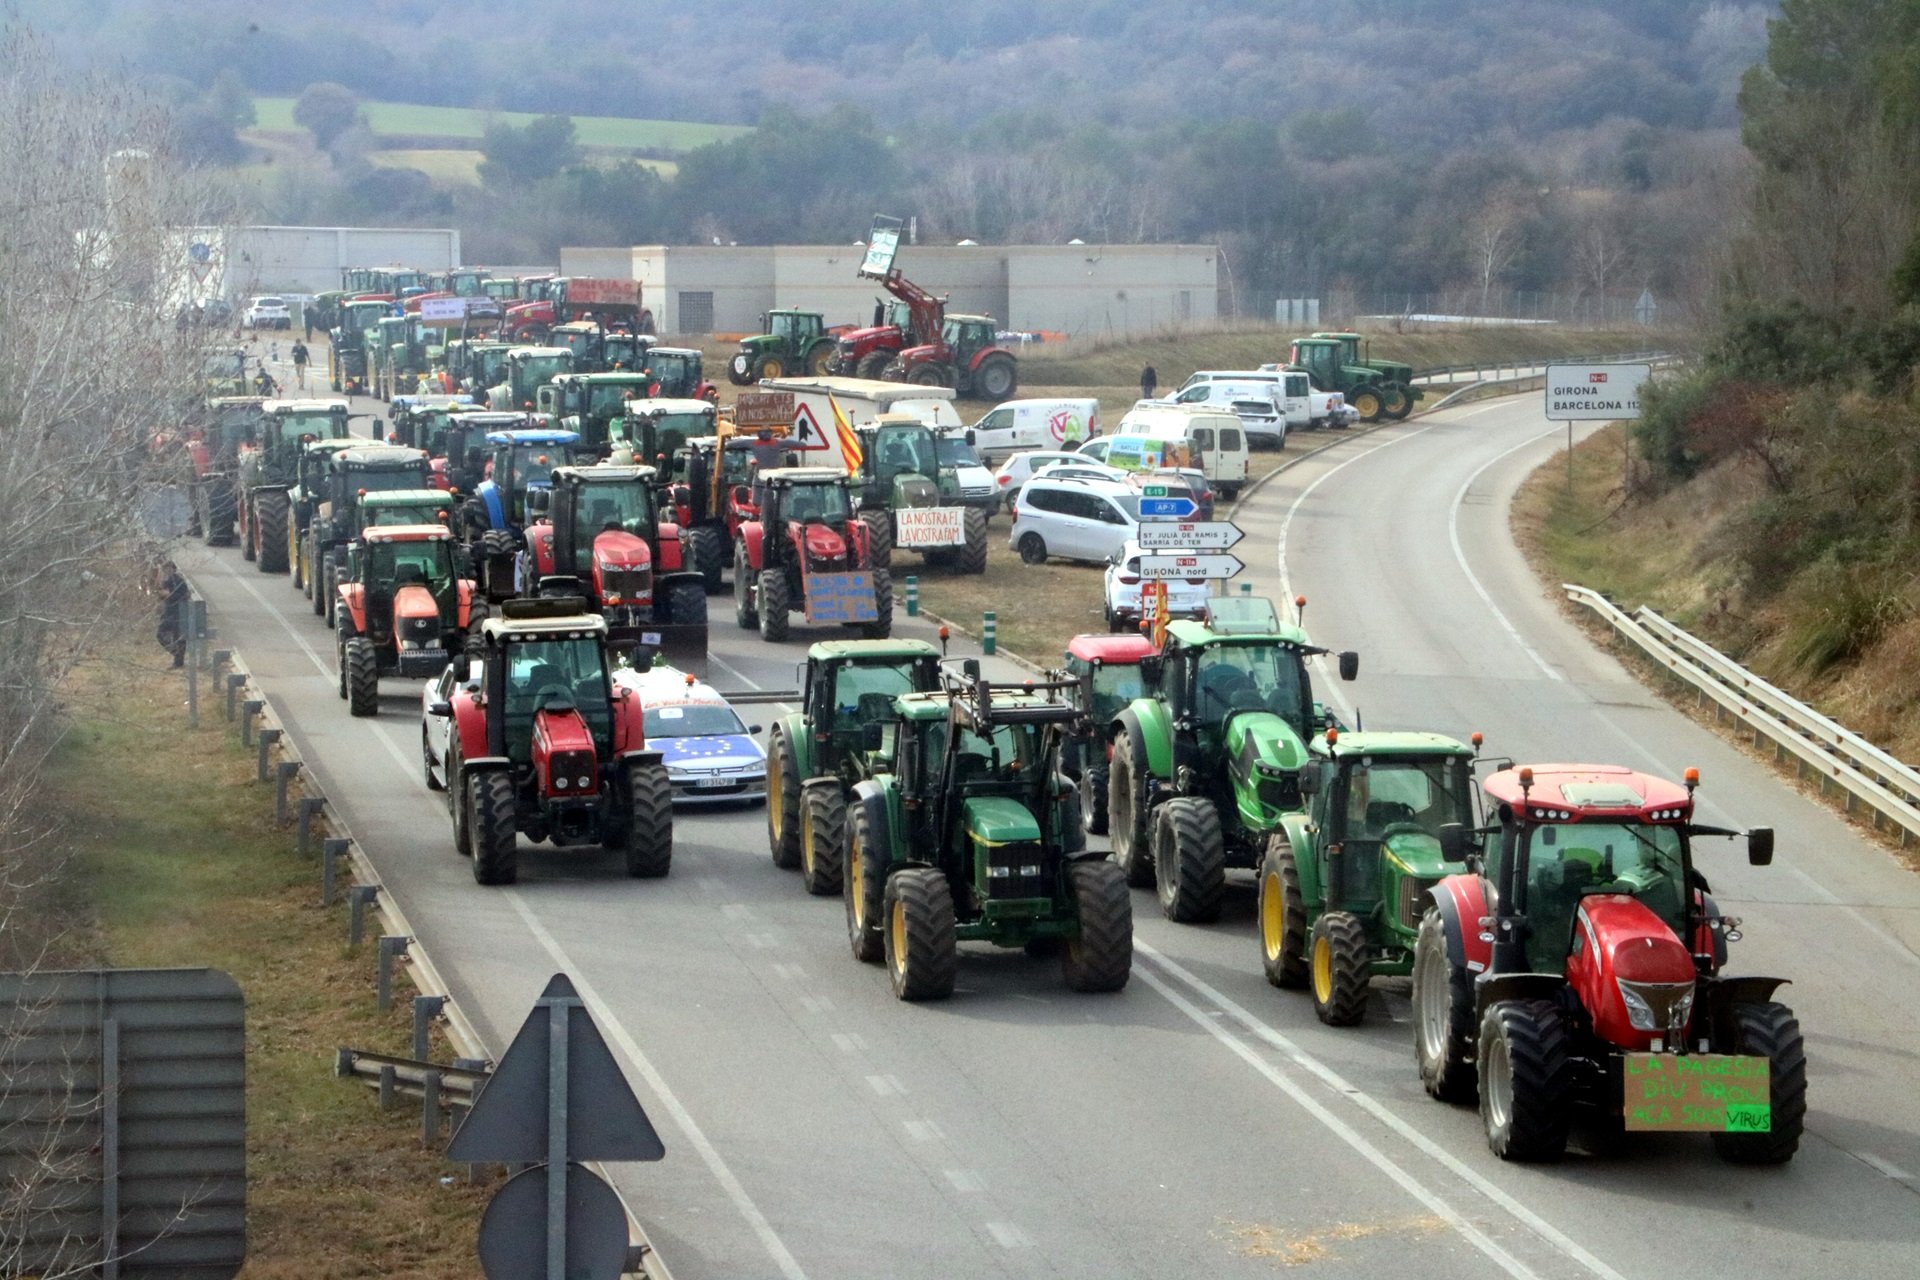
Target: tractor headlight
<point x="1656" y="1006"/>
<point x="560" y="784"/>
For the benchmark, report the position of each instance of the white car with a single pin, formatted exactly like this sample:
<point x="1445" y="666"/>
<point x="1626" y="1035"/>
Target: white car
<point x="1073" y="519"/>
<point x="710" y="755"/>
<point x="435" y="729"/>
<point x="1128" y="593"/>
<point x="1084" y="470"/>
<point x="977" y="488"/>
<point x="1020" y="468"/>
<point x="268" y="312"/>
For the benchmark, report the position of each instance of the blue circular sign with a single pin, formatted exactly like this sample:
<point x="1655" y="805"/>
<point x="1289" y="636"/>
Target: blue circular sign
<point x="199" y="252"/>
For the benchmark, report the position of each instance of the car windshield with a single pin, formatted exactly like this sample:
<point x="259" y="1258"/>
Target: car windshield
<point x="692" y="720"/>
<point x="1250" y="677"/>
<point x="954" y="451"/>
<point x="1565" y="863"/>
<point x="556" y="674"/>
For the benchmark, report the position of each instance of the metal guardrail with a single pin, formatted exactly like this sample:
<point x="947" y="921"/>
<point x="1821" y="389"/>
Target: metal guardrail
<point x="1867" y="777"/>
<point x="1514" y="368"/>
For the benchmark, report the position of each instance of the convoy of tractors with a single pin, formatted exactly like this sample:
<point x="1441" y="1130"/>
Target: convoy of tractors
<point x="523" y="539"/>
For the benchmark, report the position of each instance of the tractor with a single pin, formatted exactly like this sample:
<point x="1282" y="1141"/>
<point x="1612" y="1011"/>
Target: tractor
<point x="1108" y="668"/>
<point x="526" y="370"/>
<point x="543" y="744"/>
<point x="655" y="431"/>
<point x="1576" y="966"/>
<point x="589" y="403"/>
<point x="1398" y="395"/>
<point x="304" y="498"/>
<point x="329" y="516"/>
<point x="971" y="834"/>
<point x="679" y="374"/>
<point x="474" y="366"/>
<point x="598" y="350"/>
<point x="464" y="467"/>
<point x="223" y="374"/>
<point x="820" y="558"/>
<point x="420" y="422"/>
<point x="712" y="472"/>
<point x="964" y="355"/>
<point x="1344" y="884"/>
<point x="493" y="521"/>
<point x="271" y="467"/>
<point x="228" y="424"/>
<point x="815" y="757"/>
<point x="403" y="611"/>
<point x="348" y="342"/>
<point x="406" y="348"/>
<point x="611" y="302"/>
<point x="1324" y="361"/>
<point x="602" y="538"/>
<point x="789" y="342"/>
<point x="1203" y="766"/>
<point x="912" y="319"/>
<point x="908" y="499"/>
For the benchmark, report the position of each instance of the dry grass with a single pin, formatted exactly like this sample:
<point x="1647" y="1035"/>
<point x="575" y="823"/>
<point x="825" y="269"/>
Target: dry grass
<point x="1294" y="1249"/>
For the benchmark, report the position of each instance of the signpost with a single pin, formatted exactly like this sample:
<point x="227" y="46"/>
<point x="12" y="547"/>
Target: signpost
<point x="1201" y="535"/>
<point x="1161" y="568"/>
<point x="1593" y="393"/>
<point x="1155" y="508"/>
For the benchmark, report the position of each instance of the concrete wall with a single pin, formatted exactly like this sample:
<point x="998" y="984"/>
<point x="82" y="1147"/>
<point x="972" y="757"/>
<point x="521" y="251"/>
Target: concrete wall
<point x="1095" y="289"/>
<point x="607" y="264"/>
<point x="309" y="259"/>
<point x="737" y="281"/>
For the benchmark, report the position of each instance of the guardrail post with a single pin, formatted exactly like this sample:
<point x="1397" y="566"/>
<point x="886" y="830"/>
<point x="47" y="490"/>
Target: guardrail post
<point x="219" y="658"/>
<point x="248" y="710"/>
<point x="425" y="1010"/>
<point x="332" y="849"/>
<point x="235" y="682"/>
<point x="391" y="945"/>
<point x="913" y="595"/>
<point x="310" y="807"/>
<point x="283" y="775"/>
<point x="989" y="633"/>
<point x="388" y="1081"/>
<point x="194" y="617"/>
<point x="266" y="739"/>
<point x="430" y="1109"/>
<point x="359" y="898"/>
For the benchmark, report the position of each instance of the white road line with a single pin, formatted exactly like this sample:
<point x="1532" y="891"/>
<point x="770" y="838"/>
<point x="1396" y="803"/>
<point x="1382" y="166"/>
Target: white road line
<point x="965" y="1181"/>
<point x="790" y="972"/>
<point x="1009" y="1236"/>
<point x="737" y="911"/>
<point x="762" y="941"/>
<point x="924" y="1130"/>
<point x="887" y="1086"/>
<point x="1453" y="536"/>
<point x="696" y="1137"/>
<point x="816" y="1004"/>
<point x="1545" y="1230"/>
<point x="848" y="1042"/>
<point x="1886" y="1167"/>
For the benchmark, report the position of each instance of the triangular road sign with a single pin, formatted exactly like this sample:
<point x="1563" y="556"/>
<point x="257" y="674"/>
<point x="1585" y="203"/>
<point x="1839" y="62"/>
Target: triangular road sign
<point x="604" y="1120"/>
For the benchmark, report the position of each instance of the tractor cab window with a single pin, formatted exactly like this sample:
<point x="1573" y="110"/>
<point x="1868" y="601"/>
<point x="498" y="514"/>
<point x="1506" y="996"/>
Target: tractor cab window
<point x="1390" y="797"/>
<point x="1115" y="686"/>
<point x="905" y="449"/>
<point x="1230" y="677"/>
<point x="675" y="372"/>
<point x="625" y="350"/>
<point x="670" y="433"/>
<point x="1566" y="863"/>
<point x="535" y="370"/>
<point x="555" y="674"/>
<point x="863" y="694"/>
<point x="815" y="504"/>
<point x="1011" y="754"/>
<point x="624" y="508"/>
<point x="954" y="451"/>
<point x="384" y="479"/>
<point x="384" y="515"/>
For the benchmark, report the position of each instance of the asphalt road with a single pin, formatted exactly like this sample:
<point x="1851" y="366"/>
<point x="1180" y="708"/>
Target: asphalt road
<point x="1200" y="1123"/>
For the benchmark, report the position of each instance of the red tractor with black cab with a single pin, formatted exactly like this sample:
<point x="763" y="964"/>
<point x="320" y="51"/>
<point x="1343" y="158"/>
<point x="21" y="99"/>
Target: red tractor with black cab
<point x="803" y="548"/>
<point x="1576" y="967"/>
<point x="1110" y="674"/>
<point x="401" y="613"/>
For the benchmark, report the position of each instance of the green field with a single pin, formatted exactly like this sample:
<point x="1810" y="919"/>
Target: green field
<point x="400" y="119"/>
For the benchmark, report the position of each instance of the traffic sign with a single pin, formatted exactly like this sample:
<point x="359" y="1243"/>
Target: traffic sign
<point x="1595" y="392"/>
<point x="1162" y="568"/>
<point x="513" y="1231"/>
<point x="1168" y="508"/>
<point x="1190" y="535"/>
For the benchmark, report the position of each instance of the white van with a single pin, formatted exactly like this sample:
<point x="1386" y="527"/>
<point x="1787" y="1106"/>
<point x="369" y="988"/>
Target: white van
<point x="1035" y="424"/>
<point x="1214" y="440"/>
<point x="1257" y="403"/>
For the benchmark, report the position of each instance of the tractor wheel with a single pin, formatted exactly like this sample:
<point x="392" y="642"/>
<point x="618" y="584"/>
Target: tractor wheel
<point x="459" y="811"/>
<point x="819" y="358"/>
<point x="1093" y="800"/>
<point x="823" y="837"/>
<point x="923" y="955"/>
<point x="863" y="885"/>
<point x="1128" y="821"/>
<point x="972" y="558"/>
<point x="293" y="545"/>
<point x="270" y="518"/>
<point x="252" y="531"/>
<point x="1442" y="1015"/>
<point x="879" y="537"/>
<point x="775" y="603"/>
<point x="321" y="584"/>
<point x="345" y="634"/>
<point x="872" y="365"/>
<point x="740" y="371"/>
<point x="490" y="826"/>
<point x="496" y="545"/>
<point x="220" y="514"/>
<point x="783" y="800"/>
<point x="745" y="610"/>
<point x="331" y="586"/>
<point x="649" y="821"/>
<point x="1769" y="1030"/>
<point x="1526" y="1082"/>
<point x="426" y="764"/>
<point x="929" y="375"/>
<point x="1101" y="958"/>
<point x="1189" y="860"/>
<point x="995" y="379"/>
<point x="298" y="576"/>
<point x="687" y="604"/>
<point x="363" y="677"/>
<point x="1283" y="917"/>
<point x="769" y="366"/>
<point x="1341" y="969"/>
<point x="1367" y="404"/>
<point x="882" y="625"/>
<point x="1395" y="401"/>
<point x="707" y="556"/>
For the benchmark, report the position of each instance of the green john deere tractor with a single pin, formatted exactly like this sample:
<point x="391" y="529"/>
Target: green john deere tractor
<point x="973" y="835"/>
<point x="1398" y="394"/>
<point x="1206" y="765"/>
<point x="1344" y="884"/>
<point x="789" y="344"/>
<point x="1324" y="361"/>
<point x="815" y="757"/>
<point x="909" y="499"/>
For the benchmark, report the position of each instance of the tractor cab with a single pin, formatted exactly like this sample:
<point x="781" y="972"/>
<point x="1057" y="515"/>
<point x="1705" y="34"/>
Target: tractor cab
<point x="390" y="507"/>
<point x="232" y="422"/>
<point x="589" y="403"/>
<point x="789" y="343"/>
<point x="800" y="496"/>
<point x="677" y="374"/>
<point x="1111" y="674"/>
<point x="968" y="336"/>
<point x="527" y="370"/>
<point x="900" y="462"/>
<point x="852" y="684"/>
<point x="473" y="367"/>
<point x="420" y="422"/>
<point x="519" y="461"/>
<point x="402" y="568"/>
<point x="1326" y="362"/>
<point x="656" y="431"/>
<point x="588" y="342"/>
<point x="465" y="463"/>
<point x="224" y="373"/>
<point x="289" y="424"/>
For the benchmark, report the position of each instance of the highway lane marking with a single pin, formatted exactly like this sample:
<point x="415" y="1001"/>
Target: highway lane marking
<point x="887" y="1086"/>
<point x="849" y="1042"/>
<point x="1009" y="1236"/>
<point x="1886" y="1167"/>
<point x="1453" y="536"/>
<point x="737" y="911"/>
<point x="761" y="941"/>
<point x="696" y="1137"/>
<point x="965" y="1181"/>
<point x="790" y="972"/>
<point x="924" y="1130"/>
<point x="816" y="1004"/>
<point x="1545" y="1230"/>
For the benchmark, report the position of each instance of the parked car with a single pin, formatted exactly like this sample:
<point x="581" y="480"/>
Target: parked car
<point x="1188" y="482"/>
<point x="268" y="311"/>
<point x="1073" y="519"/>
<point x="1127" y="591"/>
<point x="1020" y="468"/>
<point x="1207" y="437"/>
<point x="1307" y="407"/>
<point x="434" y="729"/>
<point x="1258" y="404"/>
<point x="710" y="755"/>
<point x="977" y="488"/>
<point x="1035" y="424"/>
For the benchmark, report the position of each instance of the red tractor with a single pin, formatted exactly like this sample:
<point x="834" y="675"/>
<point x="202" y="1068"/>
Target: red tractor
<point x="543" y="744"/>
<point x="819" y="559"/>
<point x="402" y="611"/>
<point x="912" y="319"/>
<point x="614" y="303"/>
<point x="1576" y="965"/>
<point x="965" y="356"/>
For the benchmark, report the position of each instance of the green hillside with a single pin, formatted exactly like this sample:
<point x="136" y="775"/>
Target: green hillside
<point x="401" y="119"/>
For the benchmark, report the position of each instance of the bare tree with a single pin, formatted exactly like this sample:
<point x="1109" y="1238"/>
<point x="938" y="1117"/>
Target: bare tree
<point x="1493" y="242"/>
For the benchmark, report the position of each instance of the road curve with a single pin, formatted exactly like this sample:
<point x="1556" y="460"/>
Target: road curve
<point x="1200" y="1123"/>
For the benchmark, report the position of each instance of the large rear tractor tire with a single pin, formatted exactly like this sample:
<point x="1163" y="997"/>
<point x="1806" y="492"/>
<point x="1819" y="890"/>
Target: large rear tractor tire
<point x="1341" y="969"/>
<point x="707" y="556"/>
<point x="746" y="609"/>
<point x="972" y="558"/>
<point x="863" y="885"/>
<point x="220" y="513"/>
<point x="923" y="954"/>
<point x="783" y="800"/>
<point x="1093" y="800"/>
<point x="1769" y="1030"/>
<point x="1526" y="1082"/>
<point x="1189" y="860"/>
<point x="873" y="365"/>
<point x="819" y="359"/>
<point x="929" y="375"/>
<point x="1101" y="958"/>
<point x="1283" y="917"/>
<point x="823" y="837"/>
<point x="251" y="530"/>
<point x="882" y="625"/>
<point x="1129" y="826"/>
<point x="649" y="818"/>
<point x="879" y="537"/>
<point x="1443" y="1030"/>
<point x="775" y="603"/>
<point x="490" y="827"/>
<point x="1395" y="402"/>
<point x="687" y="604"/>
<point x="363" y="677"/>
<point x="996" y="378"/>
<point x="270" y="515"/>
<point x="1367" y="404"/>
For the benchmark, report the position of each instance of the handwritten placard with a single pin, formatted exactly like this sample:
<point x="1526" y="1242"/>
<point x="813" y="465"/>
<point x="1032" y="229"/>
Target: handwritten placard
<point x="1700" y="1092"/>
<point x="930" y="526"/>
<point x="840" y="597"/>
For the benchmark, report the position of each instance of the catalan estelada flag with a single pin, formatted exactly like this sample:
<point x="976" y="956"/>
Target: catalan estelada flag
<point x="849" y="439"/>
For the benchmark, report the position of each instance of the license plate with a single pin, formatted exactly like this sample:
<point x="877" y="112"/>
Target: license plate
<point x="1697" y="1093"/>
<point x="713" y="782"/>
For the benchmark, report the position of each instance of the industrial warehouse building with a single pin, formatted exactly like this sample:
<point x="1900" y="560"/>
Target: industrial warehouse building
<point x="1076" y="289"/>
<point x="241" y="260"/>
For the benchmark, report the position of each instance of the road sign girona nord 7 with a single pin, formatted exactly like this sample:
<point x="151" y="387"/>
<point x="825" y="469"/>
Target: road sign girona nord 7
<point x="1159" y="568"/>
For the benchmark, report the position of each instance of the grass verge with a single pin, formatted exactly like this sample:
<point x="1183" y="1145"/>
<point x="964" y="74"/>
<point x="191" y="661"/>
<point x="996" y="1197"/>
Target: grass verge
<point x="184" y="866"/>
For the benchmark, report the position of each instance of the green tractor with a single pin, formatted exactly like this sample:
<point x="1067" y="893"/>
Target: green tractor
<point x="909" y="499"/>
<point x="269" y="468"/>
<point x="1398" y="393"/>
<point x="348" y="342"/>
<point x="790" y="343"/>
<point x="304" y="499"/>
<point x="1204" y="767"/>
<point x="1344" y="884"/>
<point x="973" y="835"/>
<point x="524" y="371"/>
<point x="815" y="757"/>
<point x="590" y="403"/>
<point x="354" y="483"/>
<point x="1324" y="361"/>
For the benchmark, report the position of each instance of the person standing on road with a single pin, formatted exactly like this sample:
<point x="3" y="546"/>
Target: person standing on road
<point x="300" y="364"/>
<point x="306" y="314"/>
<point x="172" y="633"/>
<point x="1148" y="381"/>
